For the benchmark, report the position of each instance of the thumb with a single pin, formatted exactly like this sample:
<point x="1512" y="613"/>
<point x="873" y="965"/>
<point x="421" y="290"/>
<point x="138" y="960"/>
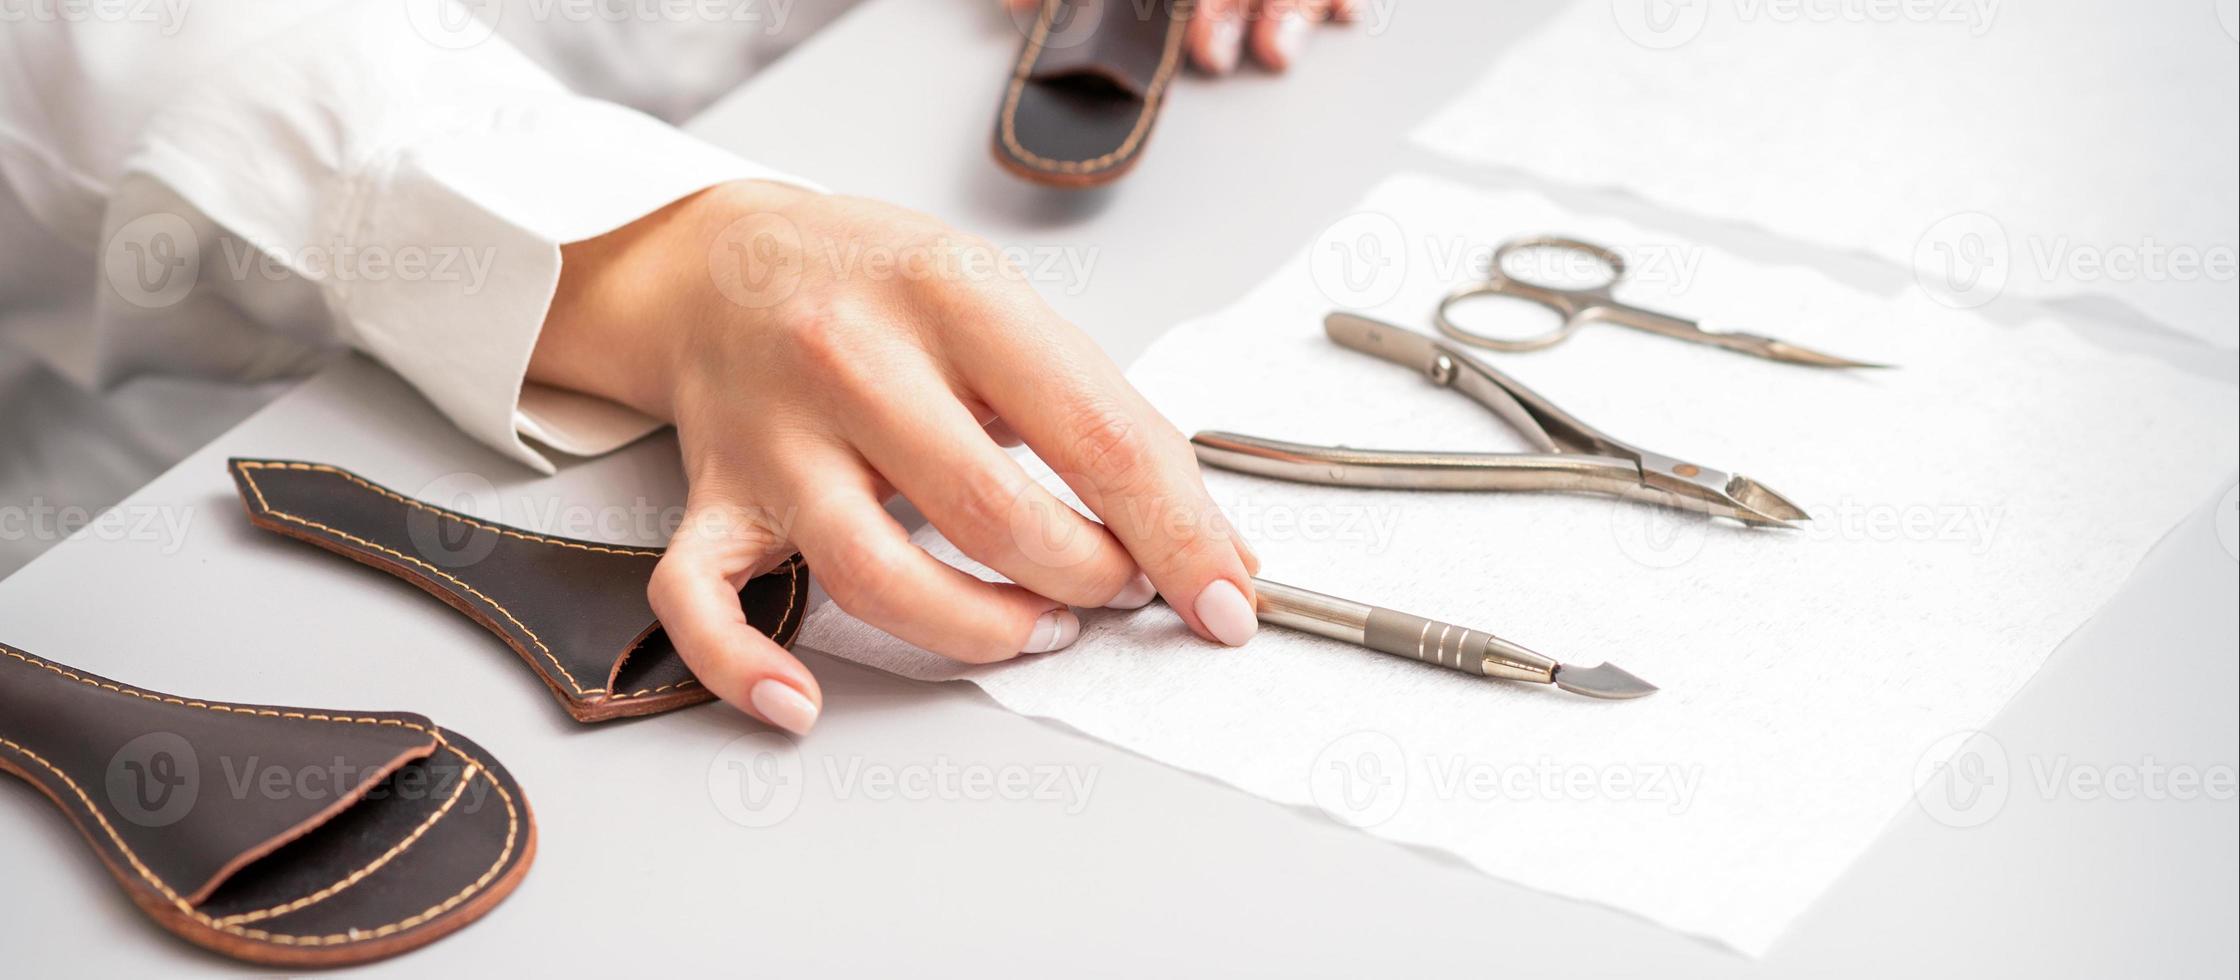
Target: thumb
<point x="695" y="593"/>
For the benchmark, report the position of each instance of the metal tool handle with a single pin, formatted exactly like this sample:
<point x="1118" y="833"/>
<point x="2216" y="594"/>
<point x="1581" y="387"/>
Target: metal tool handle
<point x="1577" y="306"/>
<point x="1400" y="634"/>
<point x="1573" y="306"/>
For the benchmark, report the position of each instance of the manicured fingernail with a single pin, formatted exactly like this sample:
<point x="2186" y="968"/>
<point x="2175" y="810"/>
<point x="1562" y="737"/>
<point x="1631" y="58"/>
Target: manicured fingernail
<point x="1054" y="631"/>
<point x="1138" y="593"/>
<point x="1291" y="34"/>
<point x="1227" y="41"/>
<point x="1225" y="613"/>
<point x="783" y="706"/>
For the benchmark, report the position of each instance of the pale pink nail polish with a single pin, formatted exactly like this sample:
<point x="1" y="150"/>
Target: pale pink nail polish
<point x="783" y="706"/>
<point x="1138" y="593"/>
<point x="1226" y="44"/>
<point x="1226" y="614"/>
<point x="1055" y="630"/>
<point x="1291" y="34"/>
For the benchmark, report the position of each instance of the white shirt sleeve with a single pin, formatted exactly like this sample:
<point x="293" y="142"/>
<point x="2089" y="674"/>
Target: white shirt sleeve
<point x="396" y="154"/>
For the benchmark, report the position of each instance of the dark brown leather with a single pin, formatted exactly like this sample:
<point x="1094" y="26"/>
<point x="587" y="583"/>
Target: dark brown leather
<point x="281" y="836"/>
<point x="574" y="610"/>
<point x="1087" y="87"/>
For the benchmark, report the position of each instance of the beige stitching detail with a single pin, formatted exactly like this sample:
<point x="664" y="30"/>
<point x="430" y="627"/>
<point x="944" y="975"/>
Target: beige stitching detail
<point x="513" y="819"/>
<point x="441" y="512"/>
<point x="353" y="878"/>
<point x="446" y="576"/>
<point x="589" y="695"/>
<point x="1020" y="73"/>
<point x="226" y="708"/>
<point x="793" y="598"/>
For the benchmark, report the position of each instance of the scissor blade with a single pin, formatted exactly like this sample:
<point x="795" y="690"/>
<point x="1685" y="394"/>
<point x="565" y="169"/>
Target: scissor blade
<point x="1788" y="353"/>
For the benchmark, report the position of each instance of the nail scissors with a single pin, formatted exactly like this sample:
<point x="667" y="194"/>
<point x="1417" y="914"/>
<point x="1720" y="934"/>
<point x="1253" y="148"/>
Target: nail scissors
<point x="1579" y="306"/>
<point x="1573" y="456"/>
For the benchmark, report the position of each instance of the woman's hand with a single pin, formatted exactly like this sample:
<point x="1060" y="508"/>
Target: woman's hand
<point x="1221" y="30"/>
<point x="819" y="353"/>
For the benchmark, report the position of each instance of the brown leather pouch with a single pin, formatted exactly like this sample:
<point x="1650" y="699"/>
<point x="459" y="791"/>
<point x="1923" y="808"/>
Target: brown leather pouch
<point x="1087" y="86"/>
<point x="281" y="836"/>
<point x="575" y="611"/>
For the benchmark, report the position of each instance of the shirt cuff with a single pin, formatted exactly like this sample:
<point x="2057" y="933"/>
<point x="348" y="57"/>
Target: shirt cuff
<point x="427" y="191"/>
<point x="501" y="202"/>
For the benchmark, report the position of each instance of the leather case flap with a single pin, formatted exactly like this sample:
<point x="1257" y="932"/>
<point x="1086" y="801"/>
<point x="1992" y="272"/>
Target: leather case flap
<point x="197" y="790"/>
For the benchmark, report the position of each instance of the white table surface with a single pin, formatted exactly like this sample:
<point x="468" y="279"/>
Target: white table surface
<point x="1156" y="869"/>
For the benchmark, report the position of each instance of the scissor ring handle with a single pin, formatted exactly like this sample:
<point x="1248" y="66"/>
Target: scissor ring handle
<point x="1571" y="304"/>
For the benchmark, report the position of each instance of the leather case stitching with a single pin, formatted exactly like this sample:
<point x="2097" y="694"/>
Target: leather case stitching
<point x="476" y="766"/>
<point x="1022" y="73"/>
<point x="602" y="695"/>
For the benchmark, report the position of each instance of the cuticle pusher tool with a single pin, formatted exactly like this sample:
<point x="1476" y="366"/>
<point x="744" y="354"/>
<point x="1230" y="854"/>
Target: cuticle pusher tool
<point x="1470" y="651"/>
<point x="1573" y="456"/>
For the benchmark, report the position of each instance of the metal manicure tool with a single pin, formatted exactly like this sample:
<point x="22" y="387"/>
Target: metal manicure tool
<point x="1433" y="642"/>
<point x="1595" y="304"/>
<point x="1573" y="457"/>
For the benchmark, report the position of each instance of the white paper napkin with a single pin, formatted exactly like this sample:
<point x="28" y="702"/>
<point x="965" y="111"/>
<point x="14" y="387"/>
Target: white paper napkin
<point x="2032" y="149"/>
<point x="1974" y="507"/>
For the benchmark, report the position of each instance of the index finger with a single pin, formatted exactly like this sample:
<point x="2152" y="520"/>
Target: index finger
<point x="1128" y="464"/>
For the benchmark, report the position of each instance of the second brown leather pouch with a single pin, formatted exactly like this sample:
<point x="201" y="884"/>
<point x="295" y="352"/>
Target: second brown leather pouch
<point x="294" y="837"/>
<point x="575" y="611"/>
<point x="1090" y="81"/>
